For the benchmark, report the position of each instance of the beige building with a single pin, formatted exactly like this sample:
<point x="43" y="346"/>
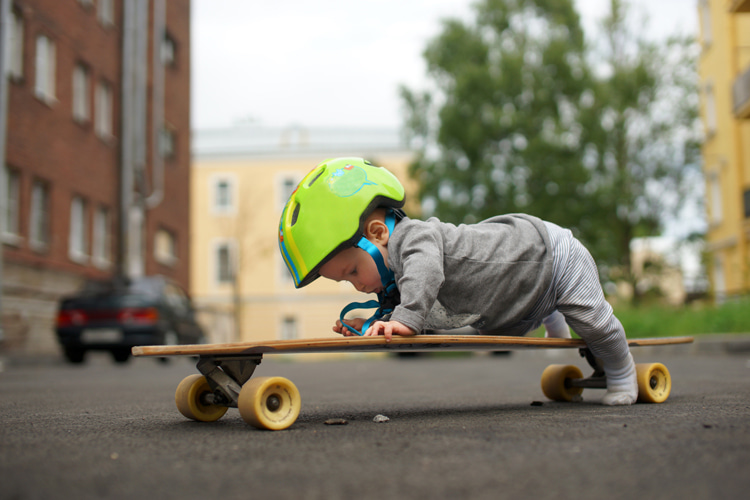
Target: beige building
<point x="241" y="179"/>
<point x="725" y="107"/>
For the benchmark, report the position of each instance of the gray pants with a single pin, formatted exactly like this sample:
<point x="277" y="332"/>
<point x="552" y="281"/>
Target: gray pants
<point x="576" y="292"/>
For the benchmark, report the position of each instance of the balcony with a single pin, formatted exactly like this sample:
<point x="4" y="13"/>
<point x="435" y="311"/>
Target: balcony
<point x="741" y="95"/>
<point x="739" y="5"/>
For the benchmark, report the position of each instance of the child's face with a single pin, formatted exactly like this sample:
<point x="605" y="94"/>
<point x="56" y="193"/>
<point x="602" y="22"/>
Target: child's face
<point x="355" y="266"/>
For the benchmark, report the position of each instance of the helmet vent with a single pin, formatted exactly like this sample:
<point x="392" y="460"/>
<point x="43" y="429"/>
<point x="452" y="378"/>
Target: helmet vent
<point x="295" y="214"/>
<point x="320" y="172"/>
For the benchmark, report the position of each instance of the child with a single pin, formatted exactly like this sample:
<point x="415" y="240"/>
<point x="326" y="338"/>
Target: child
<point x="503" y="276"/>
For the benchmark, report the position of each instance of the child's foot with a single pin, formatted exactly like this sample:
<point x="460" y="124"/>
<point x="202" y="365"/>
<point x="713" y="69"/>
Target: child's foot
<point x="622" y="384"/>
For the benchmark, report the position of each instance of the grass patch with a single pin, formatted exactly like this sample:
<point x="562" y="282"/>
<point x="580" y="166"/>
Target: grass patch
<point x="662" y="321"/>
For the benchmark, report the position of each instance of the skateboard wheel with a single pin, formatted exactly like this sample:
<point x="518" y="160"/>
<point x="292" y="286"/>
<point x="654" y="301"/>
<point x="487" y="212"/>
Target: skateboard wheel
<point x="188" y="400"/>
<point x="553" y="382"/>
<point x="654" y="382"/>
<point x="271" y="403"/>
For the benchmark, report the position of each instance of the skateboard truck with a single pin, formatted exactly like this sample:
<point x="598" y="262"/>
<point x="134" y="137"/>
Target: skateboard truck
<point x="226" y="375"/>
<point x="597" y="380"/>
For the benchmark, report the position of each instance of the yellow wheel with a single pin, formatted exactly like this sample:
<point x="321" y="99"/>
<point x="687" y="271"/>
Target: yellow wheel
<point x="553" y="382"/>
<point x="188" y="400"/>
<point x="271" y="403"/>
<point x="654" y="382"/>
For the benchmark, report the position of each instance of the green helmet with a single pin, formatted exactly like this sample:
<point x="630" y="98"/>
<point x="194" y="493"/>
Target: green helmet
<point x="327" y="211"/>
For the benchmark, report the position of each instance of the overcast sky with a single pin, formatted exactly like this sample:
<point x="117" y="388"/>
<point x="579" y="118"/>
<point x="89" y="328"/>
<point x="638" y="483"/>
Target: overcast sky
<point x="337" y="62"/>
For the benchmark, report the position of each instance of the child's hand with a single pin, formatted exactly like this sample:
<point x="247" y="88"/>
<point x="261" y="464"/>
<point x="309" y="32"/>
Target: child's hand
<point x="388" y="328"/>
<point x="355" y="323"/>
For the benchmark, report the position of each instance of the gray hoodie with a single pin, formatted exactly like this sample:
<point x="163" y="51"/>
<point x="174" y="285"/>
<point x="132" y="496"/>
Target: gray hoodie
<point x="488" y="275"/>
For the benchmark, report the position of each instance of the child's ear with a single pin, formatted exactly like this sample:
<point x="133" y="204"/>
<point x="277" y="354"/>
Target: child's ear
<point x="377" y="231"/>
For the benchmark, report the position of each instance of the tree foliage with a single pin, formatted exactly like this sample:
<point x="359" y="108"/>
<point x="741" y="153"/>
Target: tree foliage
<point x="527" y="117"/>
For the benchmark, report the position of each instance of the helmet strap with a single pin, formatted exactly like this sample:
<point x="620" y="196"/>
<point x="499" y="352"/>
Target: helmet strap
<point x="386" y="275"/>
<point x="388" y="299"/>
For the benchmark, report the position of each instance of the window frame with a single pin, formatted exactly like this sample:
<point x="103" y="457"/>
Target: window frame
<point x="230" y="207"/>
<point x="105" y="13"/>
<point x="39" y="216"/>
<point x="101" y="238"/>
<point x="11" y="228"/>
<point x="224" y="275"/>
<point x="78" y="230"/>
<point x="165" y="247"/>
<point x="168" y="51"/>
<point x="15" y="47"/>
<point x="289" y="327"/>
<point x="103" y="110"/>
<point x="81" y="81"/>
<point x="44" y="69"/>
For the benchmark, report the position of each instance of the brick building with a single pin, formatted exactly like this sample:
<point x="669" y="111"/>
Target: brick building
<point x="96" y="143"/>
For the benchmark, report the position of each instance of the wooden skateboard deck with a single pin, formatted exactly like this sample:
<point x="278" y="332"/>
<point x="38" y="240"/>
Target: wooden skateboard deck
<point x="378" y="344"/>
<point x="274" y="402"/>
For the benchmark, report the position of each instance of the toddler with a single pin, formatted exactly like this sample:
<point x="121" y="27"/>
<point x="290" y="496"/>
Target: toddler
<point x="506" y="275"/>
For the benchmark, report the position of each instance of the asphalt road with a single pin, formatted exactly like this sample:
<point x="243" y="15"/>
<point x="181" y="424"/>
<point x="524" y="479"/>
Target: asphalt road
<point x="464" y="427"/>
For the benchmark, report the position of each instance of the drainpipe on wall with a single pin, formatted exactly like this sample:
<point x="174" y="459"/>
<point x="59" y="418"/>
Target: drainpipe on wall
<point x="4" y="63"/>
<point x="157" y="107"/>
<point x="126" y="152"/>
<point x="134" y="138"/>
<point x="140" y="60"/>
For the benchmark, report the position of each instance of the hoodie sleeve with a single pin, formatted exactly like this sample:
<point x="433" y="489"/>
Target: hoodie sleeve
<point x="415" y="253"/>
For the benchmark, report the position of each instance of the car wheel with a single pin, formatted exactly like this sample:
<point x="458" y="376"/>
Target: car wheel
<point x="75" y="355"/>
<point x="121" y="355"/>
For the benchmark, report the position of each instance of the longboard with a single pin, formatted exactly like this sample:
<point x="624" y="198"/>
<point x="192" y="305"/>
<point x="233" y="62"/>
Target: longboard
<point x="274" y="402"/>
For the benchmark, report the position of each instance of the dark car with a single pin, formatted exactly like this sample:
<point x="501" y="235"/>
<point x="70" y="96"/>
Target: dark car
<point x="116" y="315"/>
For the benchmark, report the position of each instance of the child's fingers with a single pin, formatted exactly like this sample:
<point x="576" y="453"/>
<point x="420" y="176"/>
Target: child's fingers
<point x="383" y="328"/>
<point x="388" y="331"/>
<point x="374" y="329"/>
<point x="338" y="327"/>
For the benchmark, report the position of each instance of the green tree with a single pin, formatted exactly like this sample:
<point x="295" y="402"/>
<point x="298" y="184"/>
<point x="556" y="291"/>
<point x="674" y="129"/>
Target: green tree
<point x="519" y="121"/>
<point x="506" y="136"/>
<point x="646" y="142"/>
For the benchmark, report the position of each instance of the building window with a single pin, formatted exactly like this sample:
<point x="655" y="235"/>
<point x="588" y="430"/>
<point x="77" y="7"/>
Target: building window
<point x="224" y="256"/>
<point x="710" y="110"/>
<point x="223" y="195"/>
<point x="103" y="109"/>
<point x="44" y="86"/>
<point x="14" y="48"/>
<point x="81" y="112"/>
<point x="166" y="143"/>
<point x="78" y="237"/>
<point x="136" y="259"/>
<point x="165" y="247"/>
<point x="39" y="216"/>
<point x="106" y="13"/>
<point x="715" y="198"/>
<point x="289" y="328"/>
<point x="101" y="238"/>
<point x="167" y="50"/>
<point x="12" y="206"/>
